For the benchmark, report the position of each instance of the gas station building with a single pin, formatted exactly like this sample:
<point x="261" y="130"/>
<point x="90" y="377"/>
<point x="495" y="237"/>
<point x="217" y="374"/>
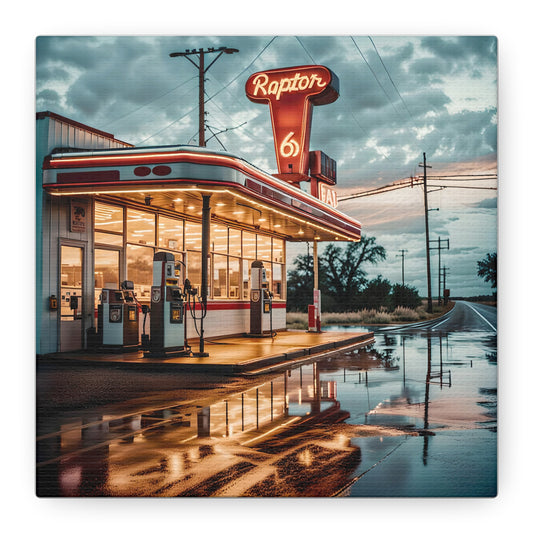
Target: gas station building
<point x="105" y="210"/>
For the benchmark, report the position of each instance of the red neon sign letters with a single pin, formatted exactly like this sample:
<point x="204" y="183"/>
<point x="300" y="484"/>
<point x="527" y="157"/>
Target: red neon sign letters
<point x="291" y="94"/>
<point x="327" y="194"/>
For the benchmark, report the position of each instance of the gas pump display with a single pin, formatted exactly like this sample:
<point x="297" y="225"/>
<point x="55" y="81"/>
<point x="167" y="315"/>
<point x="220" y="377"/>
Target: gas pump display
<point x="118" y="318"/>
<point x="267" y="301"/>
<point x="167" y="325"/>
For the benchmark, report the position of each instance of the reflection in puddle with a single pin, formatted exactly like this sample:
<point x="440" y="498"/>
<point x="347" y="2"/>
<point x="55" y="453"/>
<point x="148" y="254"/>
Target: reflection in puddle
<point x="310" y="431"/>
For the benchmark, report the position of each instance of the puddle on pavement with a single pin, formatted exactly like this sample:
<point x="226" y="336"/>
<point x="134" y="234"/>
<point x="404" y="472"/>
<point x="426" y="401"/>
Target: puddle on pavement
<point x="375" y="422"/>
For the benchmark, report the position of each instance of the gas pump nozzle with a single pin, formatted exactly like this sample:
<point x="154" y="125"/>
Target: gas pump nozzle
<point x="127" y="288"/>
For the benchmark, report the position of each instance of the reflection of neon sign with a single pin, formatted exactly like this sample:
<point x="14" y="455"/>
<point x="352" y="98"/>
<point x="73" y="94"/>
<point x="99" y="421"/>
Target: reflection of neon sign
<point x="291" y="94"/>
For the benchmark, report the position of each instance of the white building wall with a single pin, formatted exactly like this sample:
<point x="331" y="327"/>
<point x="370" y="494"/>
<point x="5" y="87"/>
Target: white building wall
<point x="53" y="228"/>
<point x="55" y="232"/>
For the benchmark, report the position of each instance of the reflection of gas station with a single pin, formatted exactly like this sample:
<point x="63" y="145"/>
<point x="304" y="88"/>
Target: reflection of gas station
<point x="89" y="450"/>
<point x="108" y="212"/>
<point x="297" y="394"/>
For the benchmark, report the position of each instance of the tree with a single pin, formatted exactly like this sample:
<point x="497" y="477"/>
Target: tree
<point x="345" y="276"/>
<point x="341" y="276"/>
<point x="300" y="284"/>
<point x="405" y="296"/>
<point x="487" y="269"/>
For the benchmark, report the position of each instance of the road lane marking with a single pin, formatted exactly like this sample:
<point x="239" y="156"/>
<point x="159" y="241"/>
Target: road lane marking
<point x="477" y="312"/>
<point x="437" y="326"/>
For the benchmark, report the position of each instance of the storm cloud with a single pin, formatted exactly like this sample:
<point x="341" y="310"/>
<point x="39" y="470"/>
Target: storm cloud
<point x="400" y="97"/>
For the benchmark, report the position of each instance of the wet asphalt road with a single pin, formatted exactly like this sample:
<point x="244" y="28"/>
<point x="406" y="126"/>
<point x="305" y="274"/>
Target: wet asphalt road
<point x="465" y="316"/>
<point x="390" y="420"/>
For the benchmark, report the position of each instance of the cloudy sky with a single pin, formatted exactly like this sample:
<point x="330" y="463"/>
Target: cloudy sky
<point x="399" y="97"/>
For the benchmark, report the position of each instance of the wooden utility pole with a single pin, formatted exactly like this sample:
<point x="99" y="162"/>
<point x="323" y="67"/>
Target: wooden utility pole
<point x="206" y="209"/>
<point x="402" y="252"/>
<point x="439" y="248"/>
<point x="444" y="270"/>
<point x="430" y="302"/>
<point x="202" y="69"/>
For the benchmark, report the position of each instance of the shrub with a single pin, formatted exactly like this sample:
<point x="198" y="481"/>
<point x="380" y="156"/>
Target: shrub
<point x="376" y="294"/>
<point x="405" y="296"/>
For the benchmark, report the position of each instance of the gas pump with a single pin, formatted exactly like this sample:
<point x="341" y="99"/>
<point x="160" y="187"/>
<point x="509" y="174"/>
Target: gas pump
<point x="167" y="313"/>
<point x="118" y="318"/>
<point x="260" y="303"/>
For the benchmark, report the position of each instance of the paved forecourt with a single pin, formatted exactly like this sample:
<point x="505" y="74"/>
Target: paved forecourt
<point x="232" y="355"/>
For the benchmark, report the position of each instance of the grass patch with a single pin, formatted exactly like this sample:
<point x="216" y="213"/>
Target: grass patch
<point x="400" y="315"/>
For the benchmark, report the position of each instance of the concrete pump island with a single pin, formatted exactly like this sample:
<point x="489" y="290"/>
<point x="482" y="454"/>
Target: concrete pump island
<point x="175" y="256"/>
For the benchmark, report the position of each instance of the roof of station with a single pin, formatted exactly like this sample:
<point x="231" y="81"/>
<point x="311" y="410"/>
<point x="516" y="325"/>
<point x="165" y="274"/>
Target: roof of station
<point x="175" y="179"/>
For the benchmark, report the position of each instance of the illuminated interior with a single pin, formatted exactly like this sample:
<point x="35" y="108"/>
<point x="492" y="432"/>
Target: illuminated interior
<point x="131" y="233"/>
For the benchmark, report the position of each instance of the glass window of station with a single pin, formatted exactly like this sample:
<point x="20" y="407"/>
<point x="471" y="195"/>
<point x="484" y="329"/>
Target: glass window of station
<point x="127" y="238"/>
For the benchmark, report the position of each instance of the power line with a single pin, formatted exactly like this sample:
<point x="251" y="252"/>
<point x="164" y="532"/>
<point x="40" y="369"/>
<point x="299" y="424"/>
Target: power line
<point x="202" y="69"/>
<point x="243" y="71"/>
<point x="248" y="133"/>
<point x="383" y="88"/>
<point x="404" y="183"/>
<point x="147" y="103"/>
<point x="168" y="125"/>
<point x="468" y="187"/>
<point x="374" y="74"/>
<point x="215" y="136"/>
<point x="221" y="131"/>
<point x="390" y="78"/>
<point x="489" y="176"/>
<point x="368" y="134"/>
<point x="306" y="50"/>
<point x="209" y="99"/>
<point x="389" y="188"/>
<point x="371" y="192"/>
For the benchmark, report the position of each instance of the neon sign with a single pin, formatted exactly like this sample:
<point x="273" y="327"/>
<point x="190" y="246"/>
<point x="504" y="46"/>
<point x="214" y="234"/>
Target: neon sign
<point x="291" y="94"/>
<point x="328" y="195"/>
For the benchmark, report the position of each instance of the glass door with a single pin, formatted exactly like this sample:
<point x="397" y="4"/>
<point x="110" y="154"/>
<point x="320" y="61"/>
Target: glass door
<point x="71" y="307"/>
